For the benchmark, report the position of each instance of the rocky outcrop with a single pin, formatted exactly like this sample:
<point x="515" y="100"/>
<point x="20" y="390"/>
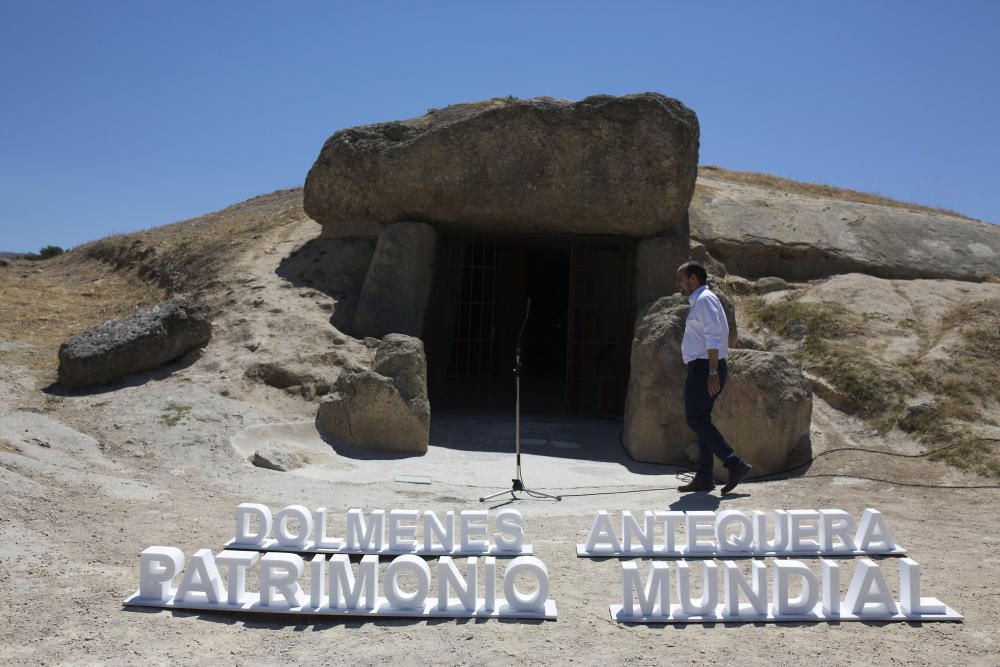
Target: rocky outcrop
<point x="608" y="165"/>
<point x="764" y="417"/>
<point x="137" y="342"/>
<point x="656" y="262"/>
<point x="337" y="266"/>
<point x="765" y="411"/>
<point x="280" y="456"/>
<point x="386" y="408"/>
<point x="757" y="232"/>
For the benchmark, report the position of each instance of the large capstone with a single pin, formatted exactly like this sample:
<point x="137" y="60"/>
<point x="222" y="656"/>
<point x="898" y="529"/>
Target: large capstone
<point x="141" y="341"/>
<point x="608" y="165"/>
<point x="385" y="408"/>
<point x="764" y="410"/>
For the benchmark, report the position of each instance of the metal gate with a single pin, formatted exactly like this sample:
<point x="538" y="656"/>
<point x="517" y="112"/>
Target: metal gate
<point x="473" y="264"/>
<point x="600" y="326"/>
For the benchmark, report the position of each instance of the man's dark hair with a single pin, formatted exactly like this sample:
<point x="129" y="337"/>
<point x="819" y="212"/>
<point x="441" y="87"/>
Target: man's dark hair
<point x="695" y="269"/>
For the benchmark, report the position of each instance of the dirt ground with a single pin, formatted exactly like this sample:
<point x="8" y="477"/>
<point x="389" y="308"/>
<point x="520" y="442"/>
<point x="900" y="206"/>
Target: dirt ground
<point x="79" y="508"/>
<point x="91" y="479"/>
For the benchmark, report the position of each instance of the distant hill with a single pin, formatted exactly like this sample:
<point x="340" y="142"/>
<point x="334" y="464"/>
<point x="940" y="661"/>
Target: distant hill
<point x="10" y="255"/>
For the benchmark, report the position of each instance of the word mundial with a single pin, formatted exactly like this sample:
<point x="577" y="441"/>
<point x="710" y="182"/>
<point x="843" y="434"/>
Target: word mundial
<point x="711" y="535"/>
<point x="336" y="587"/>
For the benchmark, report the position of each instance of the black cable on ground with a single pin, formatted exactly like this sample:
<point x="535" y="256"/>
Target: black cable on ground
<point x="688" y="473"/>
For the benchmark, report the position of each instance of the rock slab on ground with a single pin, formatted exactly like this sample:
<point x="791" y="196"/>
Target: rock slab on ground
<point x="763" y="416"/>
<point x="141" y="341"/>
<point x="605" y="164"/>
<point x="756" y="231"/>
<point x="385" y="408"/>
<point x="280" y="456"/>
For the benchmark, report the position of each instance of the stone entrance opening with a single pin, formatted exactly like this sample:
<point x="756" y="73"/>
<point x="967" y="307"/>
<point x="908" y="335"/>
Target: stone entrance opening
<point x="576" y="345"/>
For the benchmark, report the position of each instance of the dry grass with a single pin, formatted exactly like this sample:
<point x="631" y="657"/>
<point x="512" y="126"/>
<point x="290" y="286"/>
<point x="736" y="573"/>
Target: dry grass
<point x="188" y="256"/>
<point x="871" y="389"/>
<point x="964" y="386"/>
<point x="817" y="190"/>
<point x="45" y="303"/>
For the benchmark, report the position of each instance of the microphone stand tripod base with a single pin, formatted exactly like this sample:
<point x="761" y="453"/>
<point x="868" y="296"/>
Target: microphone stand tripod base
<point x="518" y="482"/>
<point x="518" y="485"/>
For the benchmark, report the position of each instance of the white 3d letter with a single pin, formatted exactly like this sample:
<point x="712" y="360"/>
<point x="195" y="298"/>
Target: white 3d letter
<point x="602" y="538"/>
<point x="698" y="526"/>
<point x="237" y="562"/>
<point x="362" y="536"/>
<point x="737" y="543"/>
<point x="322" y="541"/>
<point x="869" y="594"/>
<point x="444" y="532"/>
<point x="157" y="567"/>
<point x="632" y="530"/>
<point x="201" y="576"/>
<point x="280" y="572"/>
<point x="402" y="536"/>
<point x="784" y="570"/>
<point x="244" y="512"/>
<point x="873" y="533"/>
<point x="756" y="593"/>
<point x="302" y="516"/>
<point x="706" y="604"/>
<point x="779" y="544"/>
<point x="509" y="537"/>
<point x="417" y="567"/>
<point x="653" y="597"/>
<point x="831" y="587"/>
<point x="450" y="578"/>
<point x="345" y="591"/>
<point x="472" y="524"/>
<point x="802" y="526"/>
<point x="836" y="526"/>
<point x="909" y="591"/>
<point x="528" y="565"/>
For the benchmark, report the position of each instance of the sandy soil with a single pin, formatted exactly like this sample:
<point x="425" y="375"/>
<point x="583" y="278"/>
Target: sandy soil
<point x="89" y="480"/>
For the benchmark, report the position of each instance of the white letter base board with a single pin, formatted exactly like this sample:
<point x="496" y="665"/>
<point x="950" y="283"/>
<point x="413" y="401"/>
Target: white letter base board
<point x="309" y="547"/>
<point x="679" y="553"/>
<point x="382" y="609"/>
<point x="817" y="616"/>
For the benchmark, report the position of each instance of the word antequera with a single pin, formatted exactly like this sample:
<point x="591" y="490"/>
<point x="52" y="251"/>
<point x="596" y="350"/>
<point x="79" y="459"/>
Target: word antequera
<point x="703" y="534"/>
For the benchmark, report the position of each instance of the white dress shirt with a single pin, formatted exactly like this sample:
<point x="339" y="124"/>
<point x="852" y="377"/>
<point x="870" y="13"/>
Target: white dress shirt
<point x="706" y="327"/>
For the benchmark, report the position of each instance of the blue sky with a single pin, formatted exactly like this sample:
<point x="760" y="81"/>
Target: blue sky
<point x="117" y="116"/>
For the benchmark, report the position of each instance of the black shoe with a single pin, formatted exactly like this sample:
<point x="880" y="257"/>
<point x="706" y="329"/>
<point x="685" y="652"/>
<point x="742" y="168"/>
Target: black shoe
<point x="735" y="475"/>
<point x="697" y="485"/>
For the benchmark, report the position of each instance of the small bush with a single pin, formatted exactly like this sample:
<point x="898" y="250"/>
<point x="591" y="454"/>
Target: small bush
<point x="48" y="252"/>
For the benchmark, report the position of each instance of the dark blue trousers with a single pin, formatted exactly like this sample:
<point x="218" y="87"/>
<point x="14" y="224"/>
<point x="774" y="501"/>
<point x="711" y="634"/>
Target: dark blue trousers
<point x="698" y="411"/>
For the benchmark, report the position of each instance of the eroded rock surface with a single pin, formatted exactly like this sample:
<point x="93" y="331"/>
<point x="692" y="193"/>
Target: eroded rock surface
<point x="137" y="342"/>
<point x="756" y="231"/>
<point x="605" y="164"/>
<point x="385" y="408"/>
<point x="764" y="410"/>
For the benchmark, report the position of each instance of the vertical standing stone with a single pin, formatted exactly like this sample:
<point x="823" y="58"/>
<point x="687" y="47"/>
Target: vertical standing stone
<point x="656" y="262"/>
<point x="398" y="284"/>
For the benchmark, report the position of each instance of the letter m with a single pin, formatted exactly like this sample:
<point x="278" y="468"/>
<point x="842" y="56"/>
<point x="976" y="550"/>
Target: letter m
<point x="654" y="595"/>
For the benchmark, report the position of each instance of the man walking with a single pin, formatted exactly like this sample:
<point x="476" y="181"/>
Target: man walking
<point x="704" y="349"/>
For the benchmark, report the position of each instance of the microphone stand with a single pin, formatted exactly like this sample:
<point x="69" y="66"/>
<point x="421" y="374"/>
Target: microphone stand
<point x="518" y="481"/>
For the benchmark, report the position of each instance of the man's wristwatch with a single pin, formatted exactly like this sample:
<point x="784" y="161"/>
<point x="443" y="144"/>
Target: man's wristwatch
<point x="713" y="371"/>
